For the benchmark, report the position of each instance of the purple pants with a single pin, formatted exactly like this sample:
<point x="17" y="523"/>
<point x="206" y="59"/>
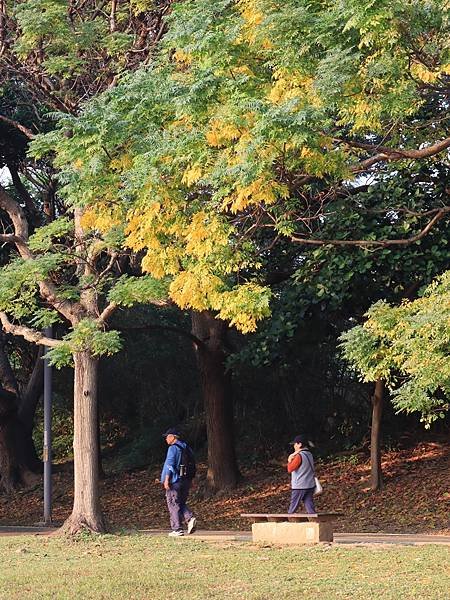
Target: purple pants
<point x="305" y="496"/>
<point x="176" y="503"/>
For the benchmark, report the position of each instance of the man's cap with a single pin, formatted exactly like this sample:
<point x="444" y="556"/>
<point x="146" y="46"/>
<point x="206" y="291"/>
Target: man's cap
<point x="300" y="439"/>
<point x="171" y="431"/>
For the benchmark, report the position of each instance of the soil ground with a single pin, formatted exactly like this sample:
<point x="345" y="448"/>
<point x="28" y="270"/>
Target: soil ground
<point x="415" y="498"/>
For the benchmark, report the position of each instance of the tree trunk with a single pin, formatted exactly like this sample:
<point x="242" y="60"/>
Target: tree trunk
<point x="223" y="472"/>
<point x="27" y="411"/>
<point x="375" y="436"/>
<point x="15" y="471"/>
<point x="18" y="460"/>
<point x="86" y="512"/>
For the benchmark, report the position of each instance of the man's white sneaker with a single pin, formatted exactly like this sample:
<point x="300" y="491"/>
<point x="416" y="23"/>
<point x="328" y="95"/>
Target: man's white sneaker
<point x="192" y="524"/>
<point x="176" y="534"/>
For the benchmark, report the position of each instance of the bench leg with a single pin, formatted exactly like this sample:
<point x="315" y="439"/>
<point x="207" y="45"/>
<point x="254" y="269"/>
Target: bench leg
<point x="292" y="533"/>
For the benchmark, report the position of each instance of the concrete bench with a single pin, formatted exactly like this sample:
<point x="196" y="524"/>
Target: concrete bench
<point x="295" y="528"/>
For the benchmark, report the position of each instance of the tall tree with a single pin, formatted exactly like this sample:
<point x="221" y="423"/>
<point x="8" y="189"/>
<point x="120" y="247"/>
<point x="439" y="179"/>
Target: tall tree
<point x="64" y="271"/>
<point x="258" y="116"/>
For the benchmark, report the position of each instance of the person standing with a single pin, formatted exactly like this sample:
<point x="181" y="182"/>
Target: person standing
<point x="177" y="480"/>
<point x="301" y="468"/>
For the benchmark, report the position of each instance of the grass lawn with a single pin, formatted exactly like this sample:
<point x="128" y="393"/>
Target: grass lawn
<point x="138" y="567"/>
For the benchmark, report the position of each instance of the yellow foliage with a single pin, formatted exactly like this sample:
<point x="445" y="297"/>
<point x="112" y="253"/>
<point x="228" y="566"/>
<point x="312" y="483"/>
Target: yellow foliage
<point x="182" y="57"/>
<point x="77" y="164"/>
<point x="184" y="121"/>
<point x="194" y="289"/>
<point x="153" y="264"/>
<point x="361" y="114"/>
<point x="252" y="16"/>
<point x="221" y="132"/>
<point x="244" y="69"/>
<point x="204" y="235"/>
<point x="421" y="72"/>
<point x="121" y="163"/>
<point x="101" y="217"/>
<point x="259" y="191"/>
<point x="192" y="174"/>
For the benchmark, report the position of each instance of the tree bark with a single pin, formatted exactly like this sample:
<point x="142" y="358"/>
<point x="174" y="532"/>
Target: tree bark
<point x="376" y="475"/>
<point x="223" y="472"/>
<point x="14" y="469"/>
<point x="18" y="460"/>
<point x="86" y="513"/>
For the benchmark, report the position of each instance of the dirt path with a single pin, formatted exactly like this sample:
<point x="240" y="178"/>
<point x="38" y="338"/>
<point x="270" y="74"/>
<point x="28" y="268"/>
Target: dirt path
<point x="245" y="536"/>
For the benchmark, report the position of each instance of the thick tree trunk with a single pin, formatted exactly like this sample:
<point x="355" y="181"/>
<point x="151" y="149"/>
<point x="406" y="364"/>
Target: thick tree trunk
<point x="375" y="437"/>
<point x="86" y="512"/>
<point x="18" y="460"/>
<point x="15" y="472"/>
<point x="223" y="472"/>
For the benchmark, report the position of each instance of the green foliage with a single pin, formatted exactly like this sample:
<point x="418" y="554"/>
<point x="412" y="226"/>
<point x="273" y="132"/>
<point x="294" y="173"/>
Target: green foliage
<point x="86" y="336"/>
<point x="408" y="346"/>
<point x="128" y="290"/>
<point x="68" y="42"/>
<point x="45" y="237"/>
<point x="19" y="283"/>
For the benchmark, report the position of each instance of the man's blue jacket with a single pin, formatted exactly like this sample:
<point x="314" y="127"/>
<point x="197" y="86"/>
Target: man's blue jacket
<point x="172" y="463"/>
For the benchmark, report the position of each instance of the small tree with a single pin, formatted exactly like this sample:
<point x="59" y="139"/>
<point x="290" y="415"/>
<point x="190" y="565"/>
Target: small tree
<point x="408" y="347"/>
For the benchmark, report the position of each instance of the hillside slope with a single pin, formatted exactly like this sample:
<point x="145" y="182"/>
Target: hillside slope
<point x="415" y="499"/>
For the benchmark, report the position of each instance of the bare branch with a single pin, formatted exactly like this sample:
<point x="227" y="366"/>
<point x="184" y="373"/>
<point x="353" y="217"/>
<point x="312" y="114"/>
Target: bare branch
<point x="388" y="154"/>
<point x="31" y="335"/>
<point x="107" y="312"/>
<point x="440" y="213"/>
<point x="149" y="328"/>
<point x="30" y="135"/>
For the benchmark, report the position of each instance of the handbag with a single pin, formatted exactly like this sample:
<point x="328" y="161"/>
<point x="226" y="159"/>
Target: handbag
<point x="318" y="489"/>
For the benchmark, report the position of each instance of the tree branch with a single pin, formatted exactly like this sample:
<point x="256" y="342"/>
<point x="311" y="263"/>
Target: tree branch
<point x="71" y="311"/>
<point x="31" y="335"/>
<point x="197" y="341"/>
<point x="387" y="154"/>
<point x="107" y="312"/>
<point x="440" y="213"/>
<point x="30" y="135"/>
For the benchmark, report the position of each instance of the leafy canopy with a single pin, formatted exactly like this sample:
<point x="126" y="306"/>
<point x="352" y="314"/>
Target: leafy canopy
<point x="246" y="103"/>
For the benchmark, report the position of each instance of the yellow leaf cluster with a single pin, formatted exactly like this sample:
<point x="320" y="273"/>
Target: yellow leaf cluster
<point x="182" y="57"/>
<point x="220" y="133"/>
<point x="194" y="289"/>
<point x="101" y="217"/>
<point x="260" y="191"/>
<point x="361" y="114"/>
<point x="192" y="174"/>
<point x="204" y="235"/>
<point x="252" y="16"/>
<point x="288" y="85"/>
<point x="243" y="306"/>
<point x="121" y="163"/>
<point x="421" y="72"/>
<point x="77" y="164"/>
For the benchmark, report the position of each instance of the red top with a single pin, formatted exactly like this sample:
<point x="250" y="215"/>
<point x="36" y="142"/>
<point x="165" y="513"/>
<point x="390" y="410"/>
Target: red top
<point x="294" y="464"/>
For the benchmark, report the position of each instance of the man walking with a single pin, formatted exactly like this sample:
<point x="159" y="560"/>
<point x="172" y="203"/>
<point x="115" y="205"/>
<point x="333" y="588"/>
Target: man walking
<point x="176" y="476"/>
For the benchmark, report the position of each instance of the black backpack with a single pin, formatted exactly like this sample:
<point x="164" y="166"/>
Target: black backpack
<point x="188" y="468"/>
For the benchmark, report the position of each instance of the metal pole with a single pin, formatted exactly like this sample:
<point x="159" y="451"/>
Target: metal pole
<point x="47" y="436"/>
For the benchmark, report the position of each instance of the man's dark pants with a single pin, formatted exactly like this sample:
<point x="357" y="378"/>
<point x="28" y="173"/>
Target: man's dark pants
<point x="176" y="503"/>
